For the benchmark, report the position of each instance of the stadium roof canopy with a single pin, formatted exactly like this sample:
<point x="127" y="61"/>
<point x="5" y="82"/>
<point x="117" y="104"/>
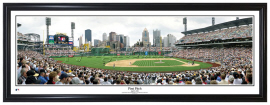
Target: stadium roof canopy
<point x="233" y="23"/>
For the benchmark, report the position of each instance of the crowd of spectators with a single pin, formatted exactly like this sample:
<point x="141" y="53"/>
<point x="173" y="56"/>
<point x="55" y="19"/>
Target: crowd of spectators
<point x="233" y="56"/>
<point x="142" y="49"/>
<point x="21" y="36"/>
<point x="236" y="32"/>
<point x="152" y="49"/>
<point x="59" y="52"/>
<point x="35" y="68"/>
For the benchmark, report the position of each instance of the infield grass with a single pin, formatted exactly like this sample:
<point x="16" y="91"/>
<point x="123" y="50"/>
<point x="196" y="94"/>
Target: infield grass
<point x="153" y="63"/>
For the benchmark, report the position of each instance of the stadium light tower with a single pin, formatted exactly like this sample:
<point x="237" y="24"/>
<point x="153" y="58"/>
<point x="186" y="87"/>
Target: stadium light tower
<point x="213" y="21"/>
<point x="72" y="35"/>
<point x="185" y="23"/>
<point x="48" y="23"/>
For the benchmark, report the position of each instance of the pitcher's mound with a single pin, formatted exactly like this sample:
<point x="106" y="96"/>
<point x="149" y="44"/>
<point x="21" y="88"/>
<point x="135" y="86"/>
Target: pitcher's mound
<point x="159" y="62"/>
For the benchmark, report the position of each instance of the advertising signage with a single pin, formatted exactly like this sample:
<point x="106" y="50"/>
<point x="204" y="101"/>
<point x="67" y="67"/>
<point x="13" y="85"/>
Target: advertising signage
<point x="70" y="43"/>
<point x="61" y="39"/>
<point x="51" y="39"/>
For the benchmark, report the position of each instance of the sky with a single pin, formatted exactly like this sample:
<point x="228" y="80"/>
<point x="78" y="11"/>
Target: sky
<point x="131" y="26"/>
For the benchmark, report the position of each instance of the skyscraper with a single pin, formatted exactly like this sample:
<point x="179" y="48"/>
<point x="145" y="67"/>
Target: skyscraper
<point x="104" y="36"/>
<point x="126" y="41"/>
<point x="156" y="38"/>
<point x="169" y="40"/>
<point x="121" y="38"/>
<point x="88" y="35"/>
<point x="165" y="42"/>
<point x="80" y="41"/>
<point x="145" y="38"/>
<point x="96" y="41"/>
<point x="112" y="36"/>
<point x="117" y="38"/>
<point x="115" y="44"/>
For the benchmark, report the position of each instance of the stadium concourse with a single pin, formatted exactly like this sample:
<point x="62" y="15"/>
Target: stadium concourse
<point x="231" y="47"/>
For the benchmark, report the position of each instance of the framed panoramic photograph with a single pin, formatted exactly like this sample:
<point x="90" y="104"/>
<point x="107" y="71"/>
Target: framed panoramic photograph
<point x="134" y="52"/>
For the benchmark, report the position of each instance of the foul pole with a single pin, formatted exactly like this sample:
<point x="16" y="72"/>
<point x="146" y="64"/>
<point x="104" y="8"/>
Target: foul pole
<point x="43" y="44"/>
<point x="160" y="41"/>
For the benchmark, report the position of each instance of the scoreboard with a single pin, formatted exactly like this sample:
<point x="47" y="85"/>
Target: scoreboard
<point x="61" y="39"/>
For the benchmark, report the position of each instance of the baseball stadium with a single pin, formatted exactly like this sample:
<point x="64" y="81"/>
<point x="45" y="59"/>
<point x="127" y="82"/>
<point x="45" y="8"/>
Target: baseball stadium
<point x="217" y="54"/>
<point x="133" y="61"/>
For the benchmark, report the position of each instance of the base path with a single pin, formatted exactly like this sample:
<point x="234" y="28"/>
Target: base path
<point x="129" y="62"/>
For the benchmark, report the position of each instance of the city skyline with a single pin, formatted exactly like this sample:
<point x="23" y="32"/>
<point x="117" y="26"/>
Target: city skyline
<point x="130" y="26"/>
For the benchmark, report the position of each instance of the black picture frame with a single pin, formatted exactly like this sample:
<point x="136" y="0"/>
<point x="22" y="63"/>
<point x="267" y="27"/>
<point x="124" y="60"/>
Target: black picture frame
<point x="261" y="7"/>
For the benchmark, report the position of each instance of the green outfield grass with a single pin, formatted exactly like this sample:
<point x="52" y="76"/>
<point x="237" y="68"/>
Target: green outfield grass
<point x="97" y="62"/>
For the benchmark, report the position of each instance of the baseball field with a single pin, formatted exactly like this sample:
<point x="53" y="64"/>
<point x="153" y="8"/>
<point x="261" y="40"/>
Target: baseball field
<point x="136" y="63"/>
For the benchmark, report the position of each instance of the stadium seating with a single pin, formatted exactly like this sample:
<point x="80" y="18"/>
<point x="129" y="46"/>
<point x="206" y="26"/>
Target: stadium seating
<point x="236" y="64"/>
<point x="236" y="60"/>
<point x="238" y="32"/>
